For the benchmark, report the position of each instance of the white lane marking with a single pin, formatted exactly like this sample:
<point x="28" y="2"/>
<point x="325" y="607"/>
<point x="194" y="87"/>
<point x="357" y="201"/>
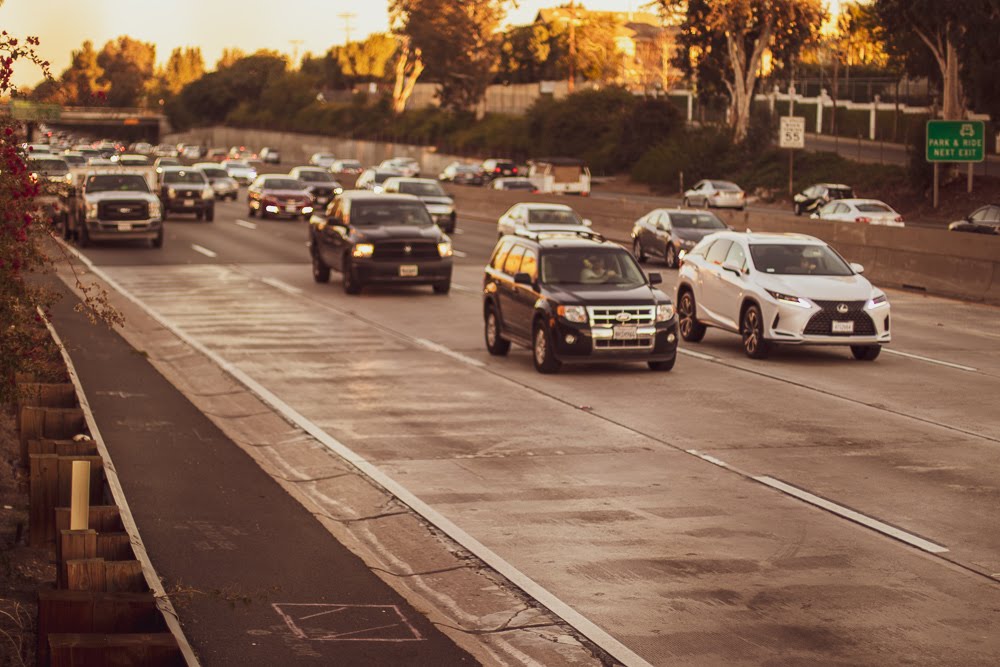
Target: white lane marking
<point x="247" y="224"/>
<point x="697" y="355"/>
<point x="458" y="231"/>
<point x="463" y="288"/>
<point x="447" y="351"/>
<point x="929" y="360"/>
<point x="459" y="253"/>
<point x="204" y="251"/>
<point x="851" y="515"/>
<point x="585" y="626"/>
<point x="163" y="602"/>
<point x="282" y="285"/>
<point x="709" y="458"/>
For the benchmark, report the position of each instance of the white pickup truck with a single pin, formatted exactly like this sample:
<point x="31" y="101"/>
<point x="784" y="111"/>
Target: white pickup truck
<point x="559" y="175"/>
<point x="115" y="203"/>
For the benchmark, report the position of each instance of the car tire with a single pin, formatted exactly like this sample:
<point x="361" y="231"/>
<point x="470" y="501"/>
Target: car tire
<point x="320" y="271"/>
<point x="350" y="281"/>
<point x="662" y="366"/>
<point x="752" y="329"/>
<point x="637" y="251"/>
<point x="495" y="343"/>
<point x="686" y="203"/>
<point x="199" y="216"/>
<point x="705" y="204"/>
<point x="670" y="256"/>
<point x="251" y="211"/>
<point x="541" y="349"/>
<point x="798" y="208"/>
<point x="210" y="214"/>
<point x="866" y="352"/>
<point x="692" y="331"/>
<point x="442" y="288"/>
<point x="157" y="242"/>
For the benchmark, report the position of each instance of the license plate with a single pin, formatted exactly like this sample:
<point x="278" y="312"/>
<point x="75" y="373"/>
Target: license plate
<point x="290" y="208"/>
<point x="124" y="226"/>
<point x="408" y="270"/>
<point x="189" y="202"/>
<point x="843" y="327"/>
<point x="626" y="333"/>
<point x="320" y="200"/>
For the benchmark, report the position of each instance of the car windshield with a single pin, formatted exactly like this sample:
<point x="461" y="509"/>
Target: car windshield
<point x="238" y="165"/>
<point x="841" y="193"/>
<point x="48" y="165"/>
<point x="383" y="176"/>
<point x="798" y="259"/>
<point x="874" y="208"/>
<point x="695" y="221"/>
<point x="183" y="177"/>
<point x="134" y="161"/>
<point x="167" y="162"/>
<point x="350" y="164"/>
<point x="390" y="213"/>
<point x="591" y="266"/>
<point x="467" y="168"/>
<point x="518" y="185"/>
<point x="422" y="189"/>
<point x="283" y="184"/>
<point x="116" y="182"/>
<point x="75" y="159"/>
<point x="553" y="216"/>
<point x="215" y="172"/>
<point x="724" y="185"/>
<point x="315" y="176"/>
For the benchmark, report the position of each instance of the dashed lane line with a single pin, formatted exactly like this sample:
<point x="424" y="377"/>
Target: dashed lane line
<point x="281" y="285"/>
<point x="247" y="224"/>
<point x="203" y="250"/>
<point x="948" y="364"/>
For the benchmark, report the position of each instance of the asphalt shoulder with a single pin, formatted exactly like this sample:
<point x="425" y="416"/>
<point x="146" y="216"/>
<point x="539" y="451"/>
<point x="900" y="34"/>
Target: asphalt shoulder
<point x="255" y="578"/>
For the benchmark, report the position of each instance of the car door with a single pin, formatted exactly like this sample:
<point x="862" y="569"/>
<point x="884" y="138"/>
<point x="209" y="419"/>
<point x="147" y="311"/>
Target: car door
<point x="332" y="237"/>
<point x="510" y="220"/>
<point x="646" y="232"/>
<point x="525" y="296"/>
<point x="507" y="296"/>
<point x="663" y="231"/>
<point x="712" y="287"/>
<point x="730" y="287"/>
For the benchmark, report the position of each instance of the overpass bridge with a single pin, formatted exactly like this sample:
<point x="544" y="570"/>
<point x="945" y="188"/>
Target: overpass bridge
<point x="115" y="122"/>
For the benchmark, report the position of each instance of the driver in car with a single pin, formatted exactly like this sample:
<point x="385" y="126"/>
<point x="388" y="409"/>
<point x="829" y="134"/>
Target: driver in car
<point x="595" y="271"/>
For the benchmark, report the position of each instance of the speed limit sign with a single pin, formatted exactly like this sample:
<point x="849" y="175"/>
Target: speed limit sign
<point x="792" y="133"/>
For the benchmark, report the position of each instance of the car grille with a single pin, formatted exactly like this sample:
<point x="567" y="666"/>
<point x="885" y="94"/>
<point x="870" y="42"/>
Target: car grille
<point x="607" y="317"/>
<point x="123" y="210"/>
<point x="820" y="324"/>
<point x="640" y="343"/>
<point x="398" y="250"/>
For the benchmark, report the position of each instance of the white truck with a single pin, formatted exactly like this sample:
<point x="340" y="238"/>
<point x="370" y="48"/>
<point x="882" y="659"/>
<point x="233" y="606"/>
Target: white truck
<point x="115" y="203"/>
<point x="559" y="175"/>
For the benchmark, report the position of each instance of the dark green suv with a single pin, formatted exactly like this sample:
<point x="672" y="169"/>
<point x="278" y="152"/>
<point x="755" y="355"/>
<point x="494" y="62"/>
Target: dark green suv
<point x="574" y="297"/>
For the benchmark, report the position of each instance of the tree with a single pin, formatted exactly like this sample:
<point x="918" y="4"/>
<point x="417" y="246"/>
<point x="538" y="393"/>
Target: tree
<point x="229" y="57"/>
<point x="597" y="55"/>
<point x="456" y="40"/>
<point x="368" y="60"/>
<point x="724" y="41"/>
<point x="81" y="82"/>
<point x="128" y="70"/>
<point x="183" y="67"/>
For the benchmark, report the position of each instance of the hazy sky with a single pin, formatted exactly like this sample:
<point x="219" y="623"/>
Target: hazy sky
<point x="62" y="25"/>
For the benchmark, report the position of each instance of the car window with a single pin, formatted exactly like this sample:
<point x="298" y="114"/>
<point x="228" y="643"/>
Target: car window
<point x="737" y="255"/>
<point x="840" y="193"/>
<point x="283" y="184"/>
<point x="798" y="259"/>
<point x="215" y="172"/>
<point x="373" y="212"/>
<point x="700" y="185"/>
<point x="726" y="186"/>
<point x="500" y="254"/>
<point x="553" y="216"/>
<point x="529" y="264"/>
<point x="513" y="261"/>
<point x="874" y="208"/>
<point x="122" y="182"/>
<point x="314" y="176"/>
<point x="183" y="177"/>
<point x="587" y="266"/>
<point x="718" y="252"/>
<point x="696" y="221"/>
<point x="47" y="164"/>
<point x="979" y="215"/>
<point x="993" y="214"/>
<point x="421" y="189"/>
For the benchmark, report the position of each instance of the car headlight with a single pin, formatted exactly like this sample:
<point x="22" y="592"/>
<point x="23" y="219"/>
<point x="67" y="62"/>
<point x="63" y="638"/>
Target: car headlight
<point x="69" y="178"/>
<point x="576" y="314"/>
<point x="338" y="191"/>
<point x="171" y="193"/>
<point x="878" y="300"/>
<point x="444" y="248"/>
<point x="789" y="299"/>
<point x="664" y="312"/>
<point x="92" y="211"/>
<point x="154" y="208"/>
<point x="207" y="193"/>
<point x="363" y="250"/>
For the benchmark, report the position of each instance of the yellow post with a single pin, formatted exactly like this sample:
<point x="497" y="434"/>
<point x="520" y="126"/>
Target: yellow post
<point x="79" y="507"/>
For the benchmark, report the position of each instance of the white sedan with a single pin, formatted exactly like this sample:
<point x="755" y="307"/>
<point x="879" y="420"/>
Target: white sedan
<point x="779" y="288"/>
<point x="716" y="194"/>
<point x="865" y="211"/>
<point x="532" y="216"/>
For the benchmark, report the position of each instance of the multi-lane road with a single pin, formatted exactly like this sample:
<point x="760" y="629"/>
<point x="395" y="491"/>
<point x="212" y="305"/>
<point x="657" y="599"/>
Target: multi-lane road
<point x="804" y="510"/>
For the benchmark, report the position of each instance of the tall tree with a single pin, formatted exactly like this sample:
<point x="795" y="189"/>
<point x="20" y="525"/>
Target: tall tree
<point x="229" y="57"/>
<point x="184" y="66"/>
<point x="82" y="82"/>
<point x="370" y="59"/>
<point x="458" y="42"/>
<point x="724" y="41"/>
<point x="128" y="69"/>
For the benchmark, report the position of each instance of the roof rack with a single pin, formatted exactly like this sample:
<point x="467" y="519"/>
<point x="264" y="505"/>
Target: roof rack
<point x="559" y="232"/>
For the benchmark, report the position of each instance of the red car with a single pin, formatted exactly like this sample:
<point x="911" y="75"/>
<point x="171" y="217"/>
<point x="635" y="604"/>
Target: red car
<point x="279" y="196"/>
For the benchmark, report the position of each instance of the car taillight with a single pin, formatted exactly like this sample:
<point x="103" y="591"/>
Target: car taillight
<point x="497" y="170"/>
<point x="514" y="170"/>
<point x="862" y="219"/>
<point x="899" y="218"/>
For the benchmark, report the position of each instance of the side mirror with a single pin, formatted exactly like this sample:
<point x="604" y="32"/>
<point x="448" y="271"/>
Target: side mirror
<point x="588" y="222"/>
<point x="857" y="268"/>
<point x="731" y="266"/>
<point x="655" y="278"/>
<point x="522" y="278"/>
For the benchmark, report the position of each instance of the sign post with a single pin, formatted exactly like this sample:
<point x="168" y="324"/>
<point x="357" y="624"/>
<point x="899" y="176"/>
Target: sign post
<point x="792" y="135"/>
<point x="955" y="141"/>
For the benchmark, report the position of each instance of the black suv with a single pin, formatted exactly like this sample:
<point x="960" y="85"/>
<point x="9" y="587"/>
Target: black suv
<point x="186" y="190"/>
<point x="379" y="238"/>
<point x="575" y="297"/>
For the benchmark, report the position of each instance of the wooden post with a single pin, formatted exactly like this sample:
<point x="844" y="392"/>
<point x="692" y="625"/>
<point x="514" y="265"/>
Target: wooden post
<point x="86" y="574"/>
<point x="791" y="171"/>
<point x="74" y="545"/>
<point x="79" y="504"/>
<point x="935" y="185"/>
<point x="44" y="493"/>
<point x="969" y="185"/>
<point x="124" y="576"/>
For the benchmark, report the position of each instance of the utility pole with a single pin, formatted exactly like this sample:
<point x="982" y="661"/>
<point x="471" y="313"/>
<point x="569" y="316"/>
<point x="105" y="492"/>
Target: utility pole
<point x="347" y="17"/>
<point x="572" y="45"/>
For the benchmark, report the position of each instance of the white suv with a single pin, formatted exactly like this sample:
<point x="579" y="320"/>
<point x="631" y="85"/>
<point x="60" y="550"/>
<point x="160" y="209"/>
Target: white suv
<point x="779" y="288"/>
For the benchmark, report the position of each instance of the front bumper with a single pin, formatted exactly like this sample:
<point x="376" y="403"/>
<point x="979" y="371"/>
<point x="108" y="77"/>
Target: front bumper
<point x="720" y="202"/>
<point x="288" y="210"/>
<point x="795" y="325"/>
<point x="99" y="230"/>
<point x="197" y="205"/>
<point x="226" y="190"/>
<point x="427" y="271"/>
<point x="581" y="343"/>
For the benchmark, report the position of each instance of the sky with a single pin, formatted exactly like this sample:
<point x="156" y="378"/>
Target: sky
<point x="283" y="25"/>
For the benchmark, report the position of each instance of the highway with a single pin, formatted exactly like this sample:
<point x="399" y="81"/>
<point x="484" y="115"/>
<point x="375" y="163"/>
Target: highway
<point x="807" y="509"/>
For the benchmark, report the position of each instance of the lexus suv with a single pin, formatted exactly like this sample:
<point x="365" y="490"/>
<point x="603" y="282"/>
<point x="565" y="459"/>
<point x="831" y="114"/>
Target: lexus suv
<point x="379" y="238"/>
<point x="570" y="296"/>
<point x="187" y="190"/>
<point x="779" y="288"/>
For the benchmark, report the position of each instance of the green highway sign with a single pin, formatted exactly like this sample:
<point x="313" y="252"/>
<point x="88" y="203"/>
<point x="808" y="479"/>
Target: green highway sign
<point x="956" y="140"/>
<point x="24" y="110"/>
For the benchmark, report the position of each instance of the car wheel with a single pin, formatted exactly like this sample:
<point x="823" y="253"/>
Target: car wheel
<point x="442" y="288"/>
<point x="157" y="242"/>
<point x="199" y="216"/>
<point x="798" y="208"/>
<point x="264" y="215"/>
<point x="752" y="328"/>
<point x="671" y="256"/>
<point x="210" y="214"/>
<point x="637" y="251"/>
<point x="495" y="344"/>
<point x="866" y="352"/>
<point x="687" y="203"/>
<point x="541" y="349"/>
<point x="320" y="271"/>
<point x="662" y="365"/>
<point x="251" y="211"/>
<point x="705" y="204"/>
<point x="692" y="330"/>
<point x="351" y="283"/>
